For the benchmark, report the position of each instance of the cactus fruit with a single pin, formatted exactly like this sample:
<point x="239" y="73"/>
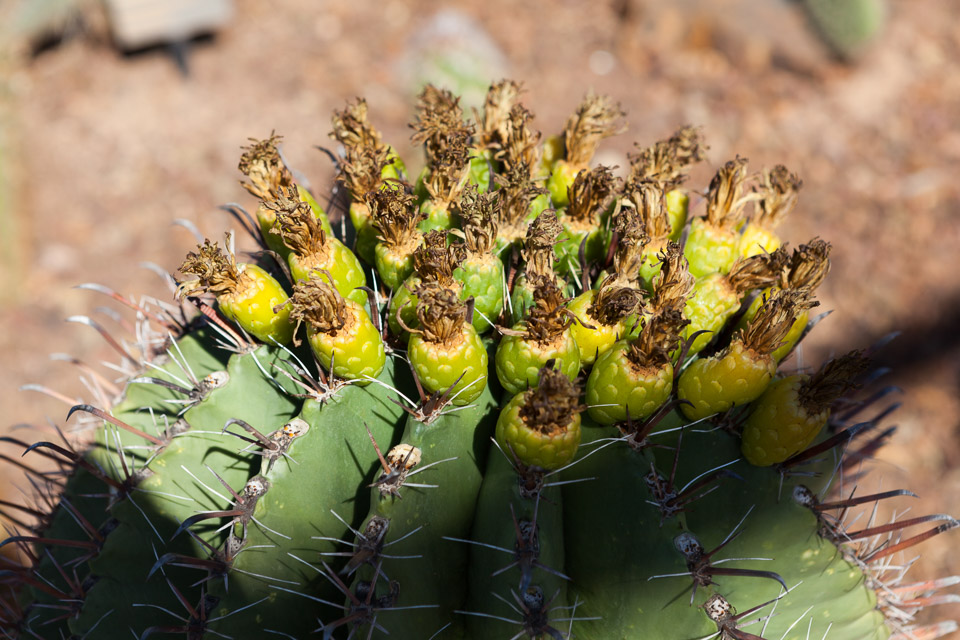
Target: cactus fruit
<point x="621" y="476"/>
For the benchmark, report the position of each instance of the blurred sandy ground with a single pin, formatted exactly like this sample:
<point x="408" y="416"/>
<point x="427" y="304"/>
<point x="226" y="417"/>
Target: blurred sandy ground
<point x="101" y="151"/>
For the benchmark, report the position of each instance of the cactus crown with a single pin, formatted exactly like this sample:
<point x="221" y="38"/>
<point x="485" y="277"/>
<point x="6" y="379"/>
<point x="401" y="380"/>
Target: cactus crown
<point x="435" y="260"/>
<point x="765" y="333"/>
<point x="614" y="302"/>
<point x="550" y="406"/>
<point x="658" y="338"/>
<point x="631" y="241"/>
<point x="216" y="271"/>
<point x="596" y="118"/>
<point x="297" y="225"/>
<point x="480" y="214"/>
<point x="440" y="311"/>
<point x="319" y="304"/>
<point x="262" y="165"/>
<point x="674" y="284"/>
<point x="494" y="120"/>
<point x="831" y="381"/>
<point x="396" y="216"/>
<point x="757" y="272"/>
<point x="362" y="168"/>
<point x="522" y="145"/>
<point x="542" y="235"/>
<point x="352" y="129"/>
<point x="646" y="197"/>
<point x="725" y="200"/>
<point x="778" y="193"/>
<point x="590" y="195"/>
<point x="666" y="161"/>
<point x="439" y="125"/>
<point x="808" y="266"/>
<point x="548" y="318"/>
<point x="517" y="191"/>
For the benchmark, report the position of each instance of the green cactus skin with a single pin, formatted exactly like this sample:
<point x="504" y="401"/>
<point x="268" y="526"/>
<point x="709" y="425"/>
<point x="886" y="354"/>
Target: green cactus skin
<point x="710" y="249"/>
<point x="459" y="367"/>
<point x="339" y="483"/>
<point x="614" y="381"/>
<point x="678" y="203"/>
<point x="614" y="580"/>
<point x="222" y="492"/>
<point x="518" y="361"/>
<point x="438" y="216"/>
<point x="708" y="308"/>
<point x="494" y="525"/>
<point x="482" y="280"/>
<point x="366" y="234"/>
<point x="393" y="268"/>
<point x="436" y="578"/>
<point x="342" y="265"/>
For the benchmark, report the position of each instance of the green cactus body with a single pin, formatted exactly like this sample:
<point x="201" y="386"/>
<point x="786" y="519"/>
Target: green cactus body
<point x="458" y="365"/>
<point x="611" y="581"/>
<point x="252" y="307"/>
<point x="437" y="577"/>
<point x="493" y="525"/>
<point x="342" y="265"/>
<point x="482" y="280"/>
<point x="709" y="307"/>
<point x="518" y="360"/>
<point x="267" y="219"/>
<point x="616" y="388"/>
<point x="678" y="203"/>
<point x="710" y="249"/>
<point x="338" y="482"/>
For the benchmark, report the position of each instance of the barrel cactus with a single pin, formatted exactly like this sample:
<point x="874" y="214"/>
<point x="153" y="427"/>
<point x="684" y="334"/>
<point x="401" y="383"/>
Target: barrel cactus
<point x="291" y="454"/>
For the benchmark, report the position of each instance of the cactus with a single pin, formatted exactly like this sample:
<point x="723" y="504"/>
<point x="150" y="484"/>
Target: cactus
<point x="283" y="462"/>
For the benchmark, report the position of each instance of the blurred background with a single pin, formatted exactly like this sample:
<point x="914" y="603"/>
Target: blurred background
<point x="116" y="117"/>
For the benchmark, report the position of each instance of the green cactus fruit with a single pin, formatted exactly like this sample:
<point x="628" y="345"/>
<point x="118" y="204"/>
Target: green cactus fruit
<point x="341" y="334"/>
<point x="794" y="409"/>
<point x="601" y="318"/>
<point x="231" y="486"/>
<point x="777" y="196"/>
<point x="741" y="372"/>
<point x="716" y="297"/>
<point x="586" y="224"/>
<point x="807" y="268"/>
<point x="246" y="293"/>
<point x="664" y="164"/>
<point x="395" y="217"/>
<point x="481" y="272"/>
<point x="434" y="262"/>
<point x="596" y="118"/>
<point x="540" y="427"/>
<point x="714" y="239"/>
<point x="634" y="379"/>
<point x="544" y="336"/>
<point x="446" y="352"/>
